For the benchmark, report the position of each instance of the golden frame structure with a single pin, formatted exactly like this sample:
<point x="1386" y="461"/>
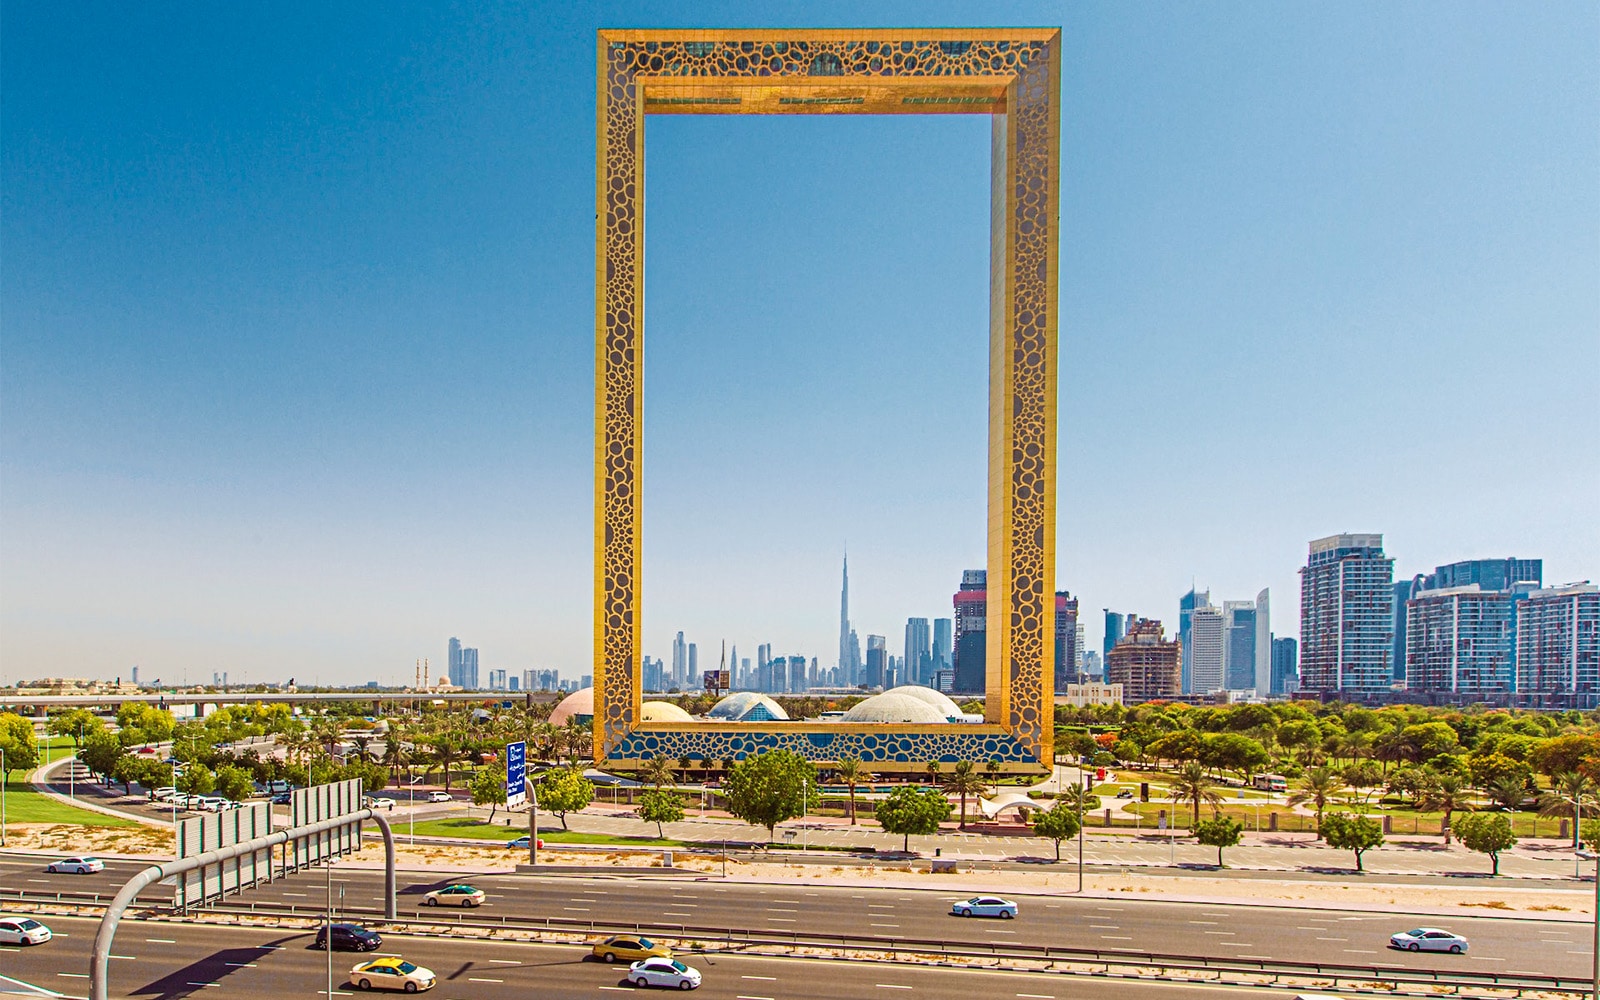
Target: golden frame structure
<point x="1012" y="75"/>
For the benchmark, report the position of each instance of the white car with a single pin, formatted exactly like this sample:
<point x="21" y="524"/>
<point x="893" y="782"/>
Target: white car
<point x="392" y="974"/>
<point x="76" y="866"/>
<point x="163" y="793"/>
<point x="439" y="797"/>
<point x="455" y="895"/>
<point x="1429" y="939"/>
<point x="985" y="906"/>
<point x="22" y="930"/>
<point x="380" y="803"/>
<point x="209" y="803"/>
<point x="664" y="972"/>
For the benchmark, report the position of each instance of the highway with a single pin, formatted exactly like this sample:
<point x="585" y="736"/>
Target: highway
<point x="1499" y="945"/>
<point x="163" y="960"/>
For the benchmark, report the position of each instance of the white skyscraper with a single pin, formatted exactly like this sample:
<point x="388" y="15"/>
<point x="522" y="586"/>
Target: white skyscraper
<point x="1205" y="641"/>
<point x="1263" y="644"/>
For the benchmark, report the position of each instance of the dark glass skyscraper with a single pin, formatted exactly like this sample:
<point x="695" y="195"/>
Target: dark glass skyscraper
<point x="972" y="637"/>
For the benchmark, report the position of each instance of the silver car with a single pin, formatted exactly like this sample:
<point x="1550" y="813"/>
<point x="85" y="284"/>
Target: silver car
<point x="664" y="972"/>
<point x="1429" y="939"/>
<point x="985" y="906"/>
<point x="22" y="930"/>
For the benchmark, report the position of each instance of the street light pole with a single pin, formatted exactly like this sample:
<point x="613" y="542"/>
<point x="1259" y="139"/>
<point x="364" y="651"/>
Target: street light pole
<point x="327" y="941"/>
<point x="533" y="822"/>
<point x="1083" y="793"/>
<point x="3" y="783"/>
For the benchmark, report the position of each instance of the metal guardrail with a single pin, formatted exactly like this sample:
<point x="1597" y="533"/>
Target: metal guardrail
<point x="797" y="939"/>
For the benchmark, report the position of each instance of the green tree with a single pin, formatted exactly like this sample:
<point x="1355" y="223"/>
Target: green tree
<point x="1219" y="831"/>
<point x="908" y="811"/>
<point x="1363" y="776"/>
<point x="489" y="789"/>
<point x="1564" y="754"/>
<point x="1407" y="782"/>
<point x="1059" y="823"/>
<point x="1234" y="752"/>
<point x="18" y="744"/>
<point x="131" y="768"/>
<point x="1489" y="768"/>
<point x="850" y="771"/>
<point x="565" y="790"/>
<point x="965" y="780"/>
<point x="1487" y="833"/>
<point x="767" y="788"/>
<point x="1318" y="787"/>
<point x="658" y="806"/>
<point x="196" y="779"/>
<point x="100" y="753"/>
<point x="1352" y="833"/>
<point x="1444" y="793"/>
<point x="79" y="724"/>
<point x="1428" y="740"/>
<point x="234" y="782"/>
<point x="1191" y="784"/>
<point x="1571" y="792"/>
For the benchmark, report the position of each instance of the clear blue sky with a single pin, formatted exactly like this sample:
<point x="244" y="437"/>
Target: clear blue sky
<point x="296" y="319"/>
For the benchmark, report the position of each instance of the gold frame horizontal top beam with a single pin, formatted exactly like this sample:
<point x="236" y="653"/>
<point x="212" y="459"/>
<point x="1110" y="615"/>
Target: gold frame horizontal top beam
<point x="983" y="95"/>
<point x="647" y="35"/>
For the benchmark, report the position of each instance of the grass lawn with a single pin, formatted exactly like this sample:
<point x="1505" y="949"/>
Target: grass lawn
<point x="24" y="805"/>
<point x="479" y="830"/>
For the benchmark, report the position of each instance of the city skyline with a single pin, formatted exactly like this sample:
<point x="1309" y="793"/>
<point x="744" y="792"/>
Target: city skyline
<point x="298" y="358"/>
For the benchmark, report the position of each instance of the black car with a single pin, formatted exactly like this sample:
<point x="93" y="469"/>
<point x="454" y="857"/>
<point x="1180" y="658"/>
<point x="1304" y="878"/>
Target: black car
<point x="282" y="799"/>
<point x="349" y="937"/>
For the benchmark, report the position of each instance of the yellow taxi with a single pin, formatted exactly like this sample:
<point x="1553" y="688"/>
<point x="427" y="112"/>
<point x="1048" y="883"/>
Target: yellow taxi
<point x="392" y="974"/>
<point x="629" y="948"/>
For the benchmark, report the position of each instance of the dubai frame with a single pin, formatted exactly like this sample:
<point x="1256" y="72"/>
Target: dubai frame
<point x="1012" y="75"/>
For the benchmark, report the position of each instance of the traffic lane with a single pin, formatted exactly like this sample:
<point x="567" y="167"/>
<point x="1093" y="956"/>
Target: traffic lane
<point x="26" y="873"/>
<point x="173" y="961"/>
<point x="1533" y="947"/>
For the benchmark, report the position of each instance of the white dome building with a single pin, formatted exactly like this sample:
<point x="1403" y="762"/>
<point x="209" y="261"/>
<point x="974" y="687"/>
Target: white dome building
<point x="892" y="707"/>
<point x="579" y="706"/>
<point x="663" y="711"/>
<point x="949" y="709"/>
<point x="747" y="706"/>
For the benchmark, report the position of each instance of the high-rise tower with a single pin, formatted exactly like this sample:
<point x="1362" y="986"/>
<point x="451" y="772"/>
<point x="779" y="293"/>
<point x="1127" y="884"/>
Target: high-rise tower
<point x="1347" y="616"/>
<point x="844" y="622"/>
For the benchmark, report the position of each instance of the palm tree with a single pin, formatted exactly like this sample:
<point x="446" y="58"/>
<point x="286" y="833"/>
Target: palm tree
<point x="658" y="771"/>
<point x="575" y="734"/>
<point x="1319" y="785"/>
<point x="448" y="748"/>
<point x="1191" y="784"/>
<point x="1507" y="792"/>
<point x="1570" y="793"/>
<point x="965" y="780"/>
<point x="1446" y="793"/>
<point x="850" y="771"/>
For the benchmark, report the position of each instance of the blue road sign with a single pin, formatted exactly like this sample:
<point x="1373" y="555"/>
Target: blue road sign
<point x="516" y="773"/>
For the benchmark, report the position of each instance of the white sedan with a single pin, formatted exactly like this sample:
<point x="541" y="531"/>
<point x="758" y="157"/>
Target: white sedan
<point x="440" y="797"/>
<point x="664" y="972"/>
<point x="76" y="866"/>
<point x="392" y="974"/>
<point x="985" y="906"/>
<point x="1429" y="939"/>
<point x="22" y="930"/>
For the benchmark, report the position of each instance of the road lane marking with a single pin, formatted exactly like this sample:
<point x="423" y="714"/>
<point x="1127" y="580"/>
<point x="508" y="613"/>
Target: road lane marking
<point x="240" y="965"/>
<point x="503" y="961"/>
<point x="1037" y="996"/>
<point x="768" y="979"/>
<point x="73" y="975"/>
<point x="146" y="940"/>
<point x="471" y="979"/>
<point x="741" y="996"/>
<point x="1116" y="937"/>
<point x="892" y="986"/>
